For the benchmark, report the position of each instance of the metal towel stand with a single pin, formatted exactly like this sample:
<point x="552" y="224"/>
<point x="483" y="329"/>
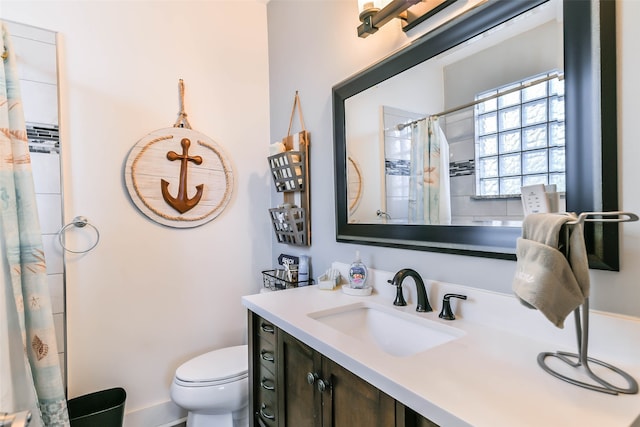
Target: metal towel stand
<point x="581" y="359"/>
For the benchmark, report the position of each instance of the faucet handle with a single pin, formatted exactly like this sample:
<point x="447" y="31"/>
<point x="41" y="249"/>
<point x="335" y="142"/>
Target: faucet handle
<point x="446" y="313"/>
<point x="399" y="295"/>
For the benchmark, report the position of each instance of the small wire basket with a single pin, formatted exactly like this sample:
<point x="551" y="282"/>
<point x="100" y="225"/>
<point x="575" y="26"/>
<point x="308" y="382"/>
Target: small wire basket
<point x="276" y="280"/>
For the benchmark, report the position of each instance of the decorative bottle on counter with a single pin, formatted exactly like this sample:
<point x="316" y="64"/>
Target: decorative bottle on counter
<point x="357" y="273"/>
<point x="303" y="270"/>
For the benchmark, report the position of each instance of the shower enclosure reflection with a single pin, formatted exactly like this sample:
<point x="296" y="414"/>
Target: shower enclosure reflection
<point x="443" y="174"/>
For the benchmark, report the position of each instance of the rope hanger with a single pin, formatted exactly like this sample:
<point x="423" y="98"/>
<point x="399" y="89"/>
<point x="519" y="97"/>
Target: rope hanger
<point x="296" y="102"/>
<point x="182" y="121"/>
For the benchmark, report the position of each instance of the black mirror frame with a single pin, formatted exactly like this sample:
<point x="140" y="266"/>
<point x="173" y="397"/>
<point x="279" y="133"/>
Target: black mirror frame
<point x="589" y="189"/>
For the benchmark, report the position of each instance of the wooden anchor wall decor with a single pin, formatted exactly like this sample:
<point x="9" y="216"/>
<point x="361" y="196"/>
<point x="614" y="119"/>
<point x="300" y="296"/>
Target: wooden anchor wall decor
<point x="161" y="170"/>
<point x="182" y="202"/>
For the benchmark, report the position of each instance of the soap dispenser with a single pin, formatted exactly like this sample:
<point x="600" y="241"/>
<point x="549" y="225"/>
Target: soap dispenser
<point x="357" y="273"/>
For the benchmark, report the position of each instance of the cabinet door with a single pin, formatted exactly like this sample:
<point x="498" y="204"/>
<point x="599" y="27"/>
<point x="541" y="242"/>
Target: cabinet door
<point x="350" y="401"/>
<point x="300" y="403"/>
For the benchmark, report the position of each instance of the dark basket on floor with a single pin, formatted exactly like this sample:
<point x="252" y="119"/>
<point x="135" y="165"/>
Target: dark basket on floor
<point x="103" y="408"/>
<point x="277" y="280"/>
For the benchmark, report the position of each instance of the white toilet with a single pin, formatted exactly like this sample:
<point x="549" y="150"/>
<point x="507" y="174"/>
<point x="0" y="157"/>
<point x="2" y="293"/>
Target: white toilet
<point x="214" y="388"/>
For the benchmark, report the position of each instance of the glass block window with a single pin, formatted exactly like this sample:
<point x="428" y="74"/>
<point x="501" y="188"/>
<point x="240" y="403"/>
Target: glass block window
<point x="520" y="136"/>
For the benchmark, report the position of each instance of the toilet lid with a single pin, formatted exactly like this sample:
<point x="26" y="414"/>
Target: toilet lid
<point x="217" y="365"/>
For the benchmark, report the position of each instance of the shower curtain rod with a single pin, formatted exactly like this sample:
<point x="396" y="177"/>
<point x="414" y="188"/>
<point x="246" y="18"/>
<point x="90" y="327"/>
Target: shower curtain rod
<point x="486" y="98"/>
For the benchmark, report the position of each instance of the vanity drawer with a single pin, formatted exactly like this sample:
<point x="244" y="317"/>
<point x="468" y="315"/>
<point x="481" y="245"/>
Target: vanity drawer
<point x="266" y="408"/>
<point x="267" y="383"/>
<point x="266" y="329"/>
<point x="267" y="355"/>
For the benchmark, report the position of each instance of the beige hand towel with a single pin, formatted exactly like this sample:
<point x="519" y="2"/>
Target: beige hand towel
<point x="545" y="278"/>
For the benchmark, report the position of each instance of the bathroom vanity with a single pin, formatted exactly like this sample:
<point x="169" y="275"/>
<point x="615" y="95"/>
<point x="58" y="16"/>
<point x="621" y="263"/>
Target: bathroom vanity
<point x="294" y="385"/>
<point x="314" y="362"/>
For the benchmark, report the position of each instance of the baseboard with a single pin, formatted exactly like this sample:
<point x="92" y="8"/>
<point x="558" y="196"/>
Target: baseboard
<point x="164" y="414"/>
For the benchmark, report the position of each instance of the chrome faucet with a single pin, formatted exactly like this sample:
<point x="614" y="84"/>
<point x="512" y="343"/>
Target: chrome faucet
<point x="423" y="301"/>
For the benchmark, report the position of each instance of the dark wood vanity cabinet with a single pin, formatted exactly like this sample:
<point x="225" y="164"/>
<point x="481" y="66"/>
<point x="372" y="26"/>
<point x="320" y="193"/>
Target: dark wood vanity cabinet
<point x="351" y="401"/>
<point x="318" y="392"/>
<point x="301" y="402"/>
<point x="292" y="385"/>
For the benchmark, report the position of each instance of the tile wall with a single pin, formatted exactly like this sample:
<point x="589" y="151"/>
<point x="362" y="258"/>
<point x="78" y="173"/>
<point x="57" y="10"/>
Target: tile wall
<point x="397" y="153"/>
<point x="459" y="128"/>
<point x="465" y="206"/>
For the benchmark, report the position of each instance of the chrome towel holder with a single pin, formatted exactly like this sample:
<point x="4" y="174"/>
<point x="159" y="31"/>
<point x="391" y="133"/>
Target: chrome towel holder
<point x="581" y="359"/>
<point x="80" y="222"/>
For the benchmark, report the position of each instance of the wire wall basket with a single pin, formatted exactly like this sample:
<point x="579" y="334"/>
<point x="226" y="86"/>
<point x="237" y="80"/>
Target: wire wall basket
<point x="289" y="225"/>
<point x="276" y="280"/>
<point x="288" y="172"/>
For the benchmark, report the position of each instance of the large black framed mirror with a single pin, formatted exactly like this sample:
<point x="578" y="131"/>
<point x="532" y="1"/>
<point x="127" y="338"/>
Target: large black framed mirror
<point x="589" y="77"/>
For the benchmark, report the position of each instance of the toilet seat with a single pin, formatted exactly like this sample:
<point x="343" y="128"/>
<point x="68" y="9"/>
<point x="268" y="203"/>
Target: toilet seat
<point x="217" y="367"/>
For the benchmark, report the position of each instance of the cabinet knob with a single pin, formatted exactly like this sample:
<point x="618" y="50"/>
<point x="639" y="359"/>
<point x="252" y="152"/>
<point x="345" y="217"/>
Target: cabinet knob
<point x="311" y="377"/>
<point x="323" y="385"/>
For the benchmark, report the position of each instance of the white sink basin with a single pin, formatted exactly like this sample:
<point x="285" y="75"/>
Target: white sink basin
<point x="392" y="331"/>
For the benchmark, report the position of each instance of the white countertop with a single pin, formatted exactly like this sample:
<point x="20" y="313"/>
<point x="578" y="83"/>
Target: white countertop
<point x="487" y="377"/>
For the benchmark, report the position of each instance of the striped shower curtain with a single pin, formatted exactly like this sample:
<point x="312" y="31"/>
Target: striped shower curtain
<point x="429" y="189"/>
<point x="437" y="188"/>
<point x="30" y="377"/>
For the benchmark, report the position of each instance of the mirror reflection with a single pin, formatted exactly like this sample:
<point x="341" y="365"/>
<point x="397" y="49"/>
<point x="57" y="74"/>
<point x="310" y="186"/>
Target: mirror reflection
<point x="452" y="140"/>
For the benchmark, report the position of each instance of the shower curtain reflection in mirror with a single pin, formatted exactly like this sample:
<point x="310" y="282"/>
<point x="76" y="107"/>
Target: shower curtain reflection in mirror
<point x="417" y="185"/>
<point x="30" y="377"/>
<point x="437" y="190"/>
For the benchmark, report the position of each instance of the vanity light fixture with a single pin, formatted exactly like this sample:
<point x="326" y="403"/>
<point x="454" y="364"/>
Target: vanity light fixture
<point x="375" y="13"/>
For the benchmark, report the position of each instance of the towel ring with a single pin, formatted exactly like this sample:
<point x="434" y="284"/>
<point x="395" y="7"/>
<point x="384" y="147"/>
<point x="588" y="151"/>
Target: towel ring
<point x="79" y="222"/>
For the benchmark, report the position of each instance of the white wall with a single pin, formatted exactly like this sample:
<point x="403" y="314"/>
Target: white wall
<point x="326" y="50"/>
<point x="149" y="297"/>
<point x="536" y="51"/>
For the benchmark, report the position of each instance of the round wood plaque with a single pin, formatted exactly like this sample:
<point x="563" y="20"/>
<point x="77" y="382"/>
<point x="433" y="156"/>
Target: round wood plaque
<point x="178" y="177"/>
